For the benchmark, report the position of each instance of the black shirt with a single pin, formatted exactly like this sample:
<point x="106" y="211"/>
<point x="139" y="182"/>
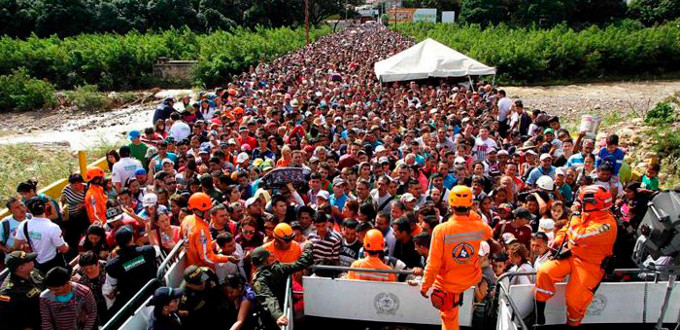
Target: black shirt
<point x="406" y="252"/>
<point x="20" y="302"/>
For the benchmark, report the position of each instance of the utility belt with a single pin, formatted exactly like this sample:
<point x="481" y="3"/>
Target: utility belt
<point x="446" y="301"/>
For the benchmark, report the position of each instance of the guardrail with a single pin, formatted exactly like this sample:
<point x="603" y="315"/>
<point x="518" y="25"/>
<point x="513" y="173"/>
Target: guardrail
<point x="360" y="270"/>
<point x="128" y="309"/>
<point x="288" y="309"/>
<point x="169" y="260"/>
<point x="513" y="307"/>
<point x="54" y="189"/>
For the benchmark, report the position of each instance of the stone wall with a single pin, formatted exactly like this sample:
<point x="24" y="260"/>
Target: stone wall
<point x="173" y="69"/>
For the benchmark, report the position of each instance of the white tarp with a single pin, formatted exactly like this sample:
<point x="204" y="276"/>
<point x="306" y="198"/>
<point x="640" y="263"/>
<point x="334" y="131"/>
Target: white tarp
<point x="427" y="59"/>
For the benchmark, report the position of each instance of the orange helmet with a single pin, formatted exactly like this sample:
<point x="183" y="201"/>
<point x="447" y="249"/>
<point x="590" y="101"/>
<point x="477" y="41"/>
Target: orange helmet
<point x="374" y="241"/>
<point x="595" y="198"/>
<point x="239" y="111"/>
<point x="200" y="201"/>
<point x="460" y="196"/>
<point x="284" y="231"/>
<point x="94" y="172"/>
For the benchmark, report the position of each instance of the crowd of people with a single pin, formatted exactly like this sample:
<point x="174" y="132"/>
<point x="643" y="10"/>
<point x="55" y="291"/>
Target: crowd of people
<point x="306" y="160"/>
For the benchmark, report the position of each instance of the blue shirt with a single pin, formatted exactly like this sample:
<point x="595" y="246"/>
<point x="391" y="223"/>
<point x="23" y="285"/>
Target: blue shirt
<point x="615" y="158"/>
<point x="13" y="225"/>
<point x="575" y="159"/>
<point x="339" y="202"/>
<point x="539" y="172"/>
<point x="159" y="162"/>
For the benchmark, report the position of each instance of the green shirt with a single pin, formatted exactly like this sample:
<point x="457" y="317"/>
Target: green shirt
<point x="650" y="183"/>
<point x="138" y="151"/>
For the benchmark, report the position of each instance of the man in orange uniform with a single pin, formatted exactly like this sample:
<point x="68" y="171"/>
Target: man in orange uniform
<point x="586" y="244"/>
<point x="283" y="247"/>
<point x="95" y="198"/>
<point x="374" y="245"/>
<point x="198" y="240"/>
<point x="453" y="262"/>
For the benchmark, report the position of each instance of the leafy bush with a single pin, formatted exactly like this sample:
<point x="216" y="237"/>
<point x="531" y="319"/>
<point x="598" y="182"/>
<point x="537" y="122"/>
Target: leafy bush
<point x="18" y="90"/>
<point x="530" y="55"/>
<point x="121" y="62"/>
<point x="88" y="97"/>
<point x="662" y="113"/>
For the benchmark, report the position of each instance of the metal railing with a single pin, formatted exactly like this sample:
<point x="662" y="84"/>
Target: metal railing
<point x="360" y="270"/>
<point x="169" y="260"/>
<point x="288" y="309"/>
<point x="129" y="308"/>
<point x="514" y="311"/>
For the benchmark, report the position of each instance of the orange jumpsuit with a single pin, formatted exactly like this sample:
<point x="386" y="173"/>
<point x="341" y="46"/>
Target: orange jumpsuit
<point x="95" y="203"/>
<point x="285" y="256"/>
<point x="200" y="245"/>
<point x="371" y="262"/>
<point x="590" y="238"/>
<point x="453" y="264"/>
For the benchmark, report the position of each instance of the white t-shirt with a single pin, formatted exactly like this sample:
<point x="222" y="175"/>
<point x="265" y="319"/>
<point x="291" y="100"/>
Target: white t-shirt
<point x="524" y="279"/>
<point x="482" y="147"/>
<point x="504" y="105"/>
<point x="124" y="169"/>
<point x="44" y="237"/>
<point x="179" y="131"/>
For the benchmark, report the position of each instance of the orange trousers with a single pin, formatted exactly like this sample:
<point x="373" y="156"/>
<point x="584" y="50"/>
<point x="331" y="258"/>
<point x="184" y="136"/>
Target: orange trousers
<point x="450" y="317"/>
<point x="583" y="281"/>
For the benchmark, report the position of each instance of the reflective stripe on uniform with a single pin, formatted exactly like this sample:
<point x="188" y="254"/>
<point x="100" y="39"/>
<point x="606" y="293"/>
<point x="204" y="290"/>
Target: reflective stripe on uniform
<point x="374" y="276"/>
<point x="544" y="291"/>
<point x="468" y="236"/>
<point x="204" y="243"/>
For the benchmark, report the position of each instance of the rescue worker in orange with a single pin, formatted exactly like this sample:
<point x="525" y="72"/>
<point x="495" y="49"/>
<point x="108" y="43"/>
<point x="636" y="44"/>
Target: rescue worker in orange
<point x="584" y="247"/>
<point x="199" y="243"/>
<point x="95" y="198"/>
<point x="283" y="247"/>
<point x="374" y="245"/>
<point x="453" y="261"/>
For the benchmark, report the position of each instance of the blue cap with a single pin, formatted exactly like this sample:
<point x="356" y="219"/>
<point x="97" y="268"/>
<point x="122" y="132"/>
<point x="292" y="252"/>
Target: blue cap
<point x="140" y="171"/>
<point x="134" y="134"/>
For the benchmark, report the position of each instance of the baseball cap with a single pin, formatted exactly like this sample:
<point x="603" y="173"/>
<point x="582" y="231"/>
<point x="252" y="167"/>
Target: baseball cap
<point x="18" y="258"/>
<point x="484" y="248"/>
<point x="503" y="153"/>
<point x="545" y="156"/>
<point x="546" y="224"/>
<point x="323" y="194"/>
<point x="338" y="181"/>
<point x="196" y="275"/>
<point x="384" y="160"/>
<point x="123" y="236"/>
<point x="149" y="200"/>
<point x="167" y="161"/>
<point x="549" y="130"/>
<point x="140" y="171"/>
<point x="134" y="134"/>
<point x="380" y="148"/>
<point x="164" y="295"/>
<point x="259" y="256"/>
<point x="242" y="157"/>
<point x="407" y="197"/>
<point x="560" y="171"/>
<point x="521" y="213"/>
<point x="508" y="238"/>
<point x="250" y="201"/>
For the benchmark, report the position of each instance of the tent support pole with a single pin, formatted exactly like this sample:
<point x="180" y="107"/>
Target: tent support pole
<point x="493" y="81"/>
<point x="472" y="86"/>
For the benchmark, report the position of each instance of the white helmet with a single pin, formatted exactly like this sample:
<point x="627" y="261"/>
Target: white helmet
<point x="546" y="183"/>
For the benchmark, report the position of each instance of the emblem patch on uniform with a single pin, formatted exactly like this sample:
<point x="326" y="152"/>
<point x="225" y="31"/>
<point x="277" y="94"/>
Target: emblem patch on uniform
<point x="597" y="306"/>
<point x="462" y="253"/>
<point x="386" y="303"/>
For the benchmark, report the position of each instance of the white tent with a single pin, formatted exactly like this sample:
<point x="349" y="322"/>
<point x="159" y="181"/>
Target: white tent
<point x="428" y="59"/>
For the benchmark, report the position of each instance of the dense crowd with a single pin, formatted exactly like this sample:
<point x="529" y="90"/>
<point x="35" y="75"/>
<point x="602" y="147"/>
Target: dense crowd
<point x="304" y="160"/>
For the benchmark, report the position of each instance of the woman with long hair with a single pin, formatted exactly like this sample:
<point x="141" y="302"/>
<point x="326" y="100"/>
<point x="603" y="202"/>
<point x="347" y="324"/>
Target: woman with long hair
<point x="164" y="234"/>
<point x="73" y="205"/>
<point x="519" y="256"/>
<point x="112" y="157"/>
<point x="241" y="298"/>
<point x="29" y="189"/>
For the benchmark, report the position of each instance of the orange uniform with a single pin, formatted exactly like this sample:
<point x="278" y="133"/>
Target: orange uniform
<point x="453" y="260"/>
<point x="371" y="262"/>
<point x="590" y="237"/>
<point x="285" y="256"/>
<point x="95" y="203"/>
<point x="199" y="244"/>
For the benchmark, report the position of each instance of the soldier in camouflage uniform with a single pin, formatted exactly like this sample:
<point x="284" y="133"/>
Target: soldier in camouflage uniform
<point x="20" y="293"/>
<point x="269" y="281"/>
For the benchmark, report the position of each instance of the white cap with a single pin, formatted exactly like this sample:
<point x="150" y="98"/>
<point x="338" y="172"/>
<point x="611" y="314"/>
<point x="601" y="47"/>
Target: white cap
<point x="251" y="201"/>
<point x="149" y="200"/>
<point x="167" y="161"/>
<point x="407" y="197"/>
<point x="560" y="171"/>
<point x="294" y="103"/>
<point x="545" y="156"/>
<point x="459" y="160"/>
<point x="380" y="148"/>
<point x="242" y="157"/>
<point x="484" y="248"/>
<point x="323" y="194"/>
<point x="546" y="224"/>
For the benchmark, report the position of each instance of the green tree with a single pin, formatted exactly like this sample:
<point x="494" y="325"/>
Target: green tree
<point x="654" y="11"/>
<point x="62" y="17"/>
<point x="483" y="12"/>
<point x="166" y="14"/>
<point x="545" y="13"/>
<point x="17" y="17"/>
<point x="217" y="14"/>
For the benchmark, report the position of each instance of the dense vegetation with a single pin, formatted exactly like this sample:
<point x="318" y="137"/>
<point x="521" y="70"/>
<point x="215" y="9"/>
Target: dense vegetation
<point x="530" y="55"/>
<point x="64" y="18"/>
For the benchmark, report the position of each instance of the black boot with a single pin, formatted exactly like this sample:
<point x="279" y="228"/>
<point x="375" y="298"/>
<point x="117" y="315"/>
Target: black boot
<point x="540" y="313"/>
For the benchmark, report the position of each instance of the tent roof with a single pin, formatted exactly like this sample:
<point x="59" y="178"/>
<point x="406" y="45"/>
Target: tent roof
<point x="426" y="59"/>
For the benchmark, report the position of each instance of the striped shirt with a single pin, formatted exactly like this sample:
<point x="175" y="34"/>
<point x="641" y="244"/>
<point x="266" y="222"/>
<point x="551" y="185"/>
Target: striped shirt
<point x="74" y="199"/>
<point x="78" y="313"/>
<point x="326" y="249"/>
